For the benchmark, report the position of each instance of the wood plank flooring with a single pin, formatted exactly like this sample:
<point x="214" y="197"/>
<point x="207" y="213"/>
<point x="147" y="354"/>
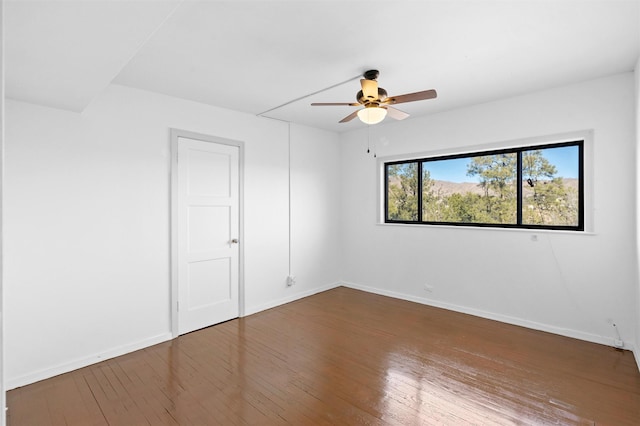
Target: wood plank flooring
<point x="345" y="357"/>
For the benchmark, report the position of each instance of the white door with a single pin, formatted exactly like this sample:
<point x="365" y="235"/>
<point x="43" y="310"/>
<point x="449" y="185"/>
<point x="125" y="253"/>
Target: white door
<point x="208" y="231"/>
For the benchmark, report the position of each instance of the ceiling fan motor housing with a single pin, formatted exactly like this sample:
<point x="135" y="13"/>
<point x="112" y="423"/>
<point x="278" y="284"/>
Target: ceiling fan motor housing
<point x="382" y="95"/>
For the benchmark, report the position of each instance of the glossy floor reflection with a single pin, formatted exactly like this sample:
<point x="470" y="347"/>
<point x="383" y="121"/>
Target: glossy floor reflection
<point x="344" y="357"/>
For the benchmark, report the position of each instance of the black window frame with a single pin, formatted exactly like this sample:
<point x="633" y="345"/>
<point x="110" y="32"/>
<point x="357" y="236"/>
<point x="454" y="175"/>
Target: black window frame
<point x="519" y="204"/>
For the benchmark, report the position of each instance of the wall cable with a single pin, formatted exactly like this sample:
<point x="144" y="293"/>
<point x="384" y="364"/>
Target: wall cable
<point x="289" y="183"/>
<point x="289" y="243"/>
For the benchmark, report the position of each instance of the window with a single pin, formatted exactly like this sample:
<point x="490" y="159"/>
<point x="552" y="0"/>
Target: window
<point x="526" y="187"/>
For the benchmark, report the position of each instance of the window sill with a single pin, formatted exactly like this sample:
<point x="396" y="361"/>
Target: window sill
<point x="489" y="228"/>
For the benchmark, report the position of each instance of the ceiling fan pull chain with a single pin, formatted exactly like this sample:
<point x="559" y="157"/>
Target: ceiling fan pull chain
<point x="375" y="151"/>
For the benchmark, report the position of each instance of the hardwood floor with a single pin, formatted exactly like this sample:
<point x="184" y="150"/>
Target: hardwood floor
<point x="345" y="357"/>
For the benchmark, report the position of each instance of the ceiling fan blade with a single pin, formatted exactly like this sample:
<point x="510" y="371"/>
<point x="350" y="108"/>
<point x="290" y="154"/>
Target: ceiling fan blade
<point x="411" y="97"/>
<point x="334" y="104"/>
<point x="349" y="117"/>
<point x="396" y="113"/>
<point x="369" y="89"/>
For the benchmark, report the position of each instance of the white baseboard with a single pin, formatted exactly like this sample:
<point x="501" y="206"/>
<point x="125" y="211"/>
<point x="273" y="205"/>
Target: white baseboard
<point x="16" y="382"/>
<point x="46" y="373"/>
<point x="603" y="340"/>
<point x="259" y="308"/>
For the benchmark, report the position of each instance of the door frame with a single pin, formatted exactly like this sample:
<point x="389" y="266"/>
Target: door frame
<point x="173" y="237"/>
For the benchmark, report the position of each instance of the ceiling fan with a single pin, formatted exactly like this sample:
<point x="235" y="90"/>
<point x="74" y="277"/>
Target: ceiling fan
<point x="376" y="103"/>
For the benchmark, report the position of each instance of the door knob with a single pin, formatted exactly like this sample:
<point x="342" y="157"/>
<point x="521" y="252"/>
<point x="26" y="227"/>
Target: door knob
<point x="234" y="241"/>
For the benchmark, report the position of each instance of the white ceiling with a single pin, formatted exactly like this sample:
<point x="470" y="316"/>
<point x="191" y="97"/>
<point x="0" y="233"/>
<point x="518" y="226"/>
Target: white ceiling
<point x="252" y="56"/>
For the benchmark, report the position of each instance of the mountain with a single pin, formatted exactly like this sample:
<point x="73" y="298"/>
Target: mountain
<point x="446" y="188"/>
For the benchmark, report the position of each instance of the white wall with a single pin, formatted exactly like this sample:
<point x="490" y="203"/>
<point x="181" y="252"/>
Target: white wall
<point x="315" y="179"/>
<point x="2" y="375"/>
<point x="568" y="283"/>
<point x="87" y="220"/>
<point x="87" y="225"/>
<point x="637" y="122"/>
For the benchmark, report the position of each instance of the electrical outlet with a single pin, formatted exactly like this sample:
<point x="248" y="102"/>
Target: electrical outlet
<point x="428" y="288"/>
<point x="291" y="280"/>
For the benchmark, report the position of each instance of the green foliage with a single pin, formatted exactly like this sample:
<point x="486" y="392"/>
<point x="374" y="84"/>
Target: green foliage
<point x="497" y="175"/>
<point x="535" y="166"/>
<point x="550" y="202"/>
<point x="403" y="192"/>
<point x="465" y="208"/>
<point x="546" y="200"/>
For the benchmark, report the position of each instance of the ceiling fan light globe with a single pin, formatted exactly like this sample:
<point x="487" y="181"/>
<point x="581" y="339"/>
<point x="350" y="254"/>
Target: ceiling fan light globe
<point x="372" y="115"/>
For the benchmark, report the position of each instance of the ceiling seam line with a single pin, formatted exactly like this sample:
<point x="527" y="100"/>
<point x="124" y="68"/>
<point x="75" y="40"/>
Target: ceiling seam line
<point x="150" y="36"/>
<point x="310" y="94"/>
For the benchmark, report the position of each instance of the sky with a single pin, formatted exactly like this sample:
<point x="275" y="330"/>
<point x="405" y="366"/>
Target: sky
<point x="564" y="158"/>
